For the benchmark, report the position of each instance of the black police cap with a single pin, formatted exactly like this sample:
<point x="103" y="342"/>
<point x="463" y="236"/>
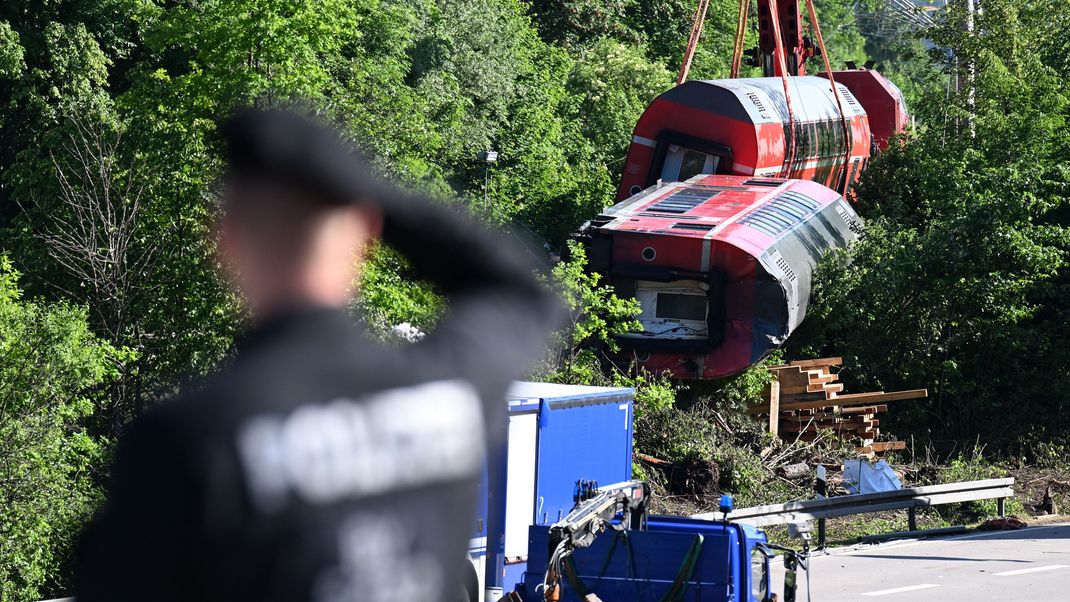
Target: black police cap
<point x="299" y="151"/>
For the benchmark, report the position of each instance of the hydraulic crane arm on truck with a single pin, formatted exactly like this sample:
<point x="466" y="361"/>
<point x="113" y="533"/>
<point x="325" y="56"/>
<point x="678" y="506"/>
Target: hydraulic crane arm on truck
<point x="608" y="548"/>
<point x="618" y="506"/>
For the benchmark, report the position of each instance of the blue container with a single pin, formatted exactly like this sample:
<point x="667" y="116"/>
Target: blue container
<point x="557" y="434"/>
<point x="705" y="560"/>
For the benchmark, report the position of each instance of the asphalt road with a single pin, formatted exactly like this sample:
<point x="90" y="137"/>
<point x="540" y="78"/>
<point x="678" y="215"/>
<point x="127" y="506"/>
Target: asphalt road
<point x="1028" y="564"/>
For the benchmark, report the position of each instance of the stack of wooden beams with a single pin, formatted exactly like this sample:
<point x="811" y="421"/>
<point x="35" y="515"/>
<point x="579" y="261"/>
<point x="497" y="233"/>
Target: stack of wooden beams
<point x="806" y="397"/>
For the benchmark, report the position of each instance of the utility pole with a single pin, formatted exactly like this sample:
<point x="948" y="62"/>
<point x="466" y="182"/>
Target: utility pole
<point x="971" y="67"/>
<point x="965" y="73"/>
<point x="487" y="157"/>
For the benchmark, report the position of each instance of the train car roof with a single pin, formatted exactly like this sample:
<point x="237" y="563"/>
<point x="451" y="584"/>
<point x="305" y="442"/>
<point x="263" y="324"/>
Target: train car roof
<point x="758" y="210"/>
<point x="761" y="99"/>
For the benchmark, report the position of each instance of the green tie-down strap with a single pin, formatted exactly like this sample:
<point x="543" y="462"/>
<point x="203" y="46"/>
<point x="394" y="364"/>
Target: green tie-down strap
<point x="683" y="576"/>
<point x="679" y="584"/>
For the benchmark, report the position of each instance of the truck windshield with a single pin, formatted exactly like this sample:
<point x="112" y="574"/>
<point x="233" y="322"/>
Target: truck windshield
<point x="759" y="576"/>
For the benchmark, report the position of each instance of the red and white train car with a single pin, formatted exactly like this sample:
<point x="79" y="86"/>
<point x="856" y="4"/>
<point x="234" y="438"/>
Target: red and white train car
<point x="721" y="266"/>
<point x="741" y="127"/>
<point x="721" y="263"/>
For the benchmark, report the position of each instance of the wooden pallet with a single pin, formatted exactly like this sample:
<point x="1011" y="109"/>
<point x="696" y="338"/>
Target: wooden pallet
<point x="805" y="397"/>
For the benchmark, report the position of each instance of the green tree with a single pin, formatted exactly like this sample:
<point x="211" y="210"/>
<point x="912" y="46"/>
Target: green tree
<point x="50" y="365"/>
<point x="954" y="287"/>
<point x="613" y="83"/>
<point x="576" y="23"/>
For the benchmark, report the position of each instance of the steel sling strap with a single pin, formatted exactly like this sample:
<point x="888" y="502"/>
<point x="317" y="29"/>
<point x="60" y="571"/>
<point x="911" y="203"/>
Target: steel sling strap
<point x="835" y="91"/>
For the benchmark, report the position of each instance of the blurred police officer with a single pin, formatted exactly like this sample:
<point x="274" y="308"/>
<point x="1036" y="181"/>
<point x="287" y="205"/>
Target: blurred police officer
<point x="321" y="466"/>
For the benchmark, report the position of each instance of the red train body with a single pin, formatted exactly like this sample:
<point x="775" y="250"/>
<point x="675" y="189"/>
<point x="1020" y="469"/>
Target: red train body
<point x="740" y="127"/>
<point x="721" y="263"/>
<point x="886" y="109"/>
<point x="721" y="266"/>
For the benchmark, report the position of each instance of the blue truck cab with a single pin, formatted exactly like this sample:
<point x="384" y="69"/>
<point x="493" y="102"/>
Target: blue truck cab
<point x="556" y="434"/>
<point x="675" y="558"/>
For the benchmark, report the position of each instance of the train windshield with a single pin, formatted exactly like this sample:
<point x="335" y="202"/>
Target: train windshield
<point x="682" y="163"/>
<point x="681" y="307"/>
<point x="673" y="310"/>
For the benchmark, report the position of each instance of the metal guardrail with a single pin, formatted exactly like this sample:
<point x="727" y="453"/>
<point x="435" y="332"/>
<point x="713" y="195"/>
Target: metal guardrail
<point x="909" y="499"/>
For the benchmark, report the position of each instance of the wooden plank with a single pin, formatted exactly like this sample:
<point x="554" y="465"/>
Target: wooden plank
<point x="774" y="406"/>
<point x="883" y="446"/>
<point x="821" y="361"/>
<point x="795" y="380"/>
<point x="786" y="389"/>
<point x="827" y="419"/>
<point x="785" y="399"/>
<point x="854" y="424"/>
<point x="814" y="363"/>
<point x="822" y="416"/>
<point x="839" y="428"/>
<point x="864" y="409"/>
<point x="842" y="400"/>
<point x="803" y="427"/>
<point x="882" y="396"/>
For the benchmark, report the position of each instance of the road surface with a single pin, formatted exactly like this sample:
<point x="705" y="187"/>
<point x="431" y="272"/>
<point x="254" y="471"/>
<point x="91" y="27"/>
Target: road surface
<point x="1028" y="564"/>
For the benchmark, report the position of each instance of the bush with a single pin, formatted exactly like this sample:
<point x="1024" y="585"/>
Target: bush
<point x="48" y="361"/>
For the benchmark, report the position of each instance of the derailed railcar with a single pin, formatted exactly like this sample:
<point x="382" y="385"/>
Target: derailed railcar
<point x="721" y="266"/>
<point x="741" y="127"/>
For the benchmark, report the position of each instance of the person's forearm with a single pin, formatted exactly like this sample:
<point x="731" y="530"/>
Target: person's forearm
<point x="500" y="314"/>
<point x="453" y="251"/>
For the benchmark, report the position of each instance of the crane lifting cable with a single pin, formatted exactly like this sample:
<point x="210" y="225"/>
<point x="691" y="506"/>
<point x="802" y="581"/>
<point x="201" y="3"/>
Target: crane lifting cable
<point x="778" y="56"/>
<point x="741" y="32"/>
<point x="835" y="90"/>
<point x="692" y="41"/>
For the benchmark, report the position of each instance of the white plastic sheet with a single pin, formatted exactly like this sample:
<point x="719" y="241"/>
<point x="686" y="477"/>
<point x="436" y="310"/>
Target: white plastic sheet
<point x="859" y="476"/>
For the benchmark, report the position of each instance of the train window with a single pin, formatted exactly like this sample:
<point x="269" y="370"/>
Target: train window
<point x="682" y="163"/>
<point x="673" y="310"/>
<point x="801" y="141"/>
<point x="684" y="307"/>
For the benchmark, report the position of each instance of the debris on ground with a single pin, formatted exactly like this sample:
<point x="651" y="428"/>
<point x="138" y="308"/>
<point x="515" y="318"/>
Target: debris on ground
<point x="1007" y="523"/>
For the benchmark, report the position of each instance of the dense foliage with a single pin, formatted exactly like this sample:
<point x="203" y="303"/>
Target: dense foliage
<point x="109" y="154"/>
<point x="50" y="364"/>
<point x="960" y="284"/>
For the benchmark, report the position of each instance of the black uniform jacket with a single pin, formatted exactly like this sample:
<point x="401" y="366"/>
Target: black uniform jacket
<point x="321" y="466"/>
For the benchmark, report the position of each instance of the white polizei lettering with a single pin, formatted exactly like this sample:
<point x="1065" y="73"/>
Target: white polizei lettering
<point x="378" y="559"/>
<point x="260" y="447"/>
<point x="361" y="468"/>
<point x="394" y="439"/>
<point x="310" y="437"/>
